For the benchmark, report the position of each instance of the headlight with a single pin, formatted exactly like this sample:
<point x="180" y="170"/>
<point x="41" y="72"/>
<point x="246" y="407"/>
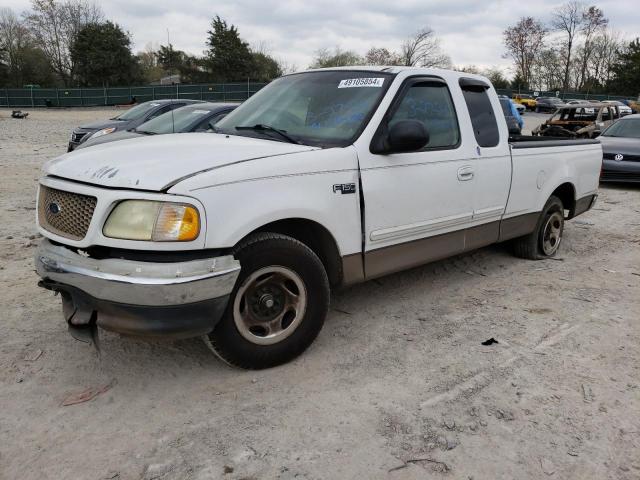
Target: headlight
<point x="99" y="133"/>
<point x="153" y="221"/>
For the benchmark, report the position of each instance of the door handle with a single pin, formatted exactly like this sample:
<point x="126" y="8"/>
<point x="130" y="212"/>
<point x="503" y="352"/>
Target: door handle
<point x="465" y="173"/>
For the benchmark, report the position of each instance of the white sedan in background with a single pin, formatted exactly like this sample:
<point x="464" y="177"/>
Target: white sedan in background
<point x="622" y="108"/>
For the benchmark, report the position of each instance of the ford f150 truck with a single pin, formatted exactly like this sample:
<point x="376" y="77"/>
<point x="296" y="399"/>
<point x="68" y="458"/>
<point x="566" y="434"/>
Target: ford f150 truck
<point x="322" y="179"/>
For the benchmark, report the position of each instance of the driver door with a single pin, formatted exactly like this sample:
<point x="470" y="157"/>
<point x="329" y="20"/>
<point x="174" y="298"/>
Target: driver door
<point x="418" y="204"/>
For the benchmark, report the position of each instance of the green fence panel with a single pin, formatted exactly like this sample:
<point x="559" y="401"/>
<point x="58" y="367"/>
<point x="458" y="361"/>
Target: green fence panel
<point x="87" y="97"/>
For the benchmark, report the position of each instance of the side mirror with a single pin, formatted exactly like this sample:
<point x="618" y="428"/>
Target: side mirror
<point x="406" y="136"/>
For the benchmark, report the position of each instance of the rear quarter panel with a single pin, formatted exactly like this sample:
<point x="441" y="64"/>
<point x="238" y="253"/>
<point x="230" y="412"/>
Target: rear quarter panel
<point x="538" y="171"/>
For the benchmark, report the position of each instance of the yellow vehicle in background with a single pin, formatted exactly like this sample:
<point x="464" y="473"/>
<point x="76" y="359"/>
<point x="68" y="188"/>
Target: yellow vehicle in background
<point x="635" y="105"/>
<point x="526" y="100"/>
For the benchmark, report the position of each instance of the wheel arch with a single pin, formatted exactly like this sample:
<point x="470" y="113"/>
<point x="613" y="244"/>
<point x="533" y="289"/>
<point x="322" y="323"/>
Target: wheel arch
<point x="315" y="236"/>
<point x="566" y="192"/>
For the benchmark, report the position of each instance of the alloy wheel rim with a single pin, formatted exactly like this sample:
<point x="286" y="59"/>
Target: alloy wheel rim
<point x="270" y="305"/>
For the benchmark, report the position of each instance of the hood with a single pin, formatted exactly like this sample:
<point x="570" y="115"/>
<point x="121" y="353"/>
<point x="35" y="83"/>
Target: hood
<point x="159" y="161"/>
<point x="112" y="137"/>
<point x="623" y="145"/>
<point x="99" y="125"/>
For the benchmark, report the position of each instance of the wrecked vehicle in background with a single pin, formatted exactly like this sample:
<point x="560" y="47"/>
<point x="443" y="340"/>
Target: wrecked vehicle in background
<point x="575" y="121"/>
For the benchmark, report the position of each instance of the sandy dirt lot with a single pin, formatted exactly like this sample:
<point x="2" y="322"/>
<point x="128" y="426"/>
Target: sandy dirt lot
<point x="397" y="386"/>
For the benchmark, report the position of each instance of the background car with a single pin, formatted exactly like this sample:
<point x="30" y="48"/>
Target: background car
<point x="514" y="123"/>
<point x="125" y="121"/>
<point x="570" y="121"/>
<point x="548" y="104"/>
<point x="621" y="151"/>
<point x="588" y="106"/>
<point x="523" y="99"/>
<point x="200" y="117"/>
<point x="622" y="108"/>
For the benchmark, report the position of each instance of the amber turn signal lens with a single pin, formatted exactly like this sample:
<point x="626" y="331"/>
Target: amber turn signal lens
<point x="176" y="222"/>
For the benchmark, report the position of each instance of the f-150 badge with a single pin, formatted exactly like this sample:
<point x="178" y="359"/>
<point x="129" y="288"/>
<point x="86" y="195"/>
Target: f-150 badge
<point x="344" y="188"/>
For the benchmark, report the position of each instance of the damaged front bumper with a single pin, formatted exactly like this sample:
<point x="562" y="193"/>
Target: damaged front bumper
<point x="176" y="299"/>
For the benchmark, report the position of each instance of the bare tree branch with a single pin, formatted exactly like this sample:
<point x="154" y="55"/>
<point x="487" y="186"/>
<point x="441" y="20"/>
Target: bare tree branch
<point x="423" y="50"/>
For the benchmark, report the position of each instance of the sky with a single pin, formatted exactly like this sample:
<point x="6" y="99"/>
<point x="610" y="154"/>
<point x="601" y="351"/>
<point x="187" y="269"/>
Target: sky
<point x="293" y="30"/>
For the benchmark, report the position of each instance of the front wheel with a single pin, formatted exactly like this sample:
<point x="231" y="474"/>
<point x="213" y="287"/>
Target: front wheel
<point x="544" y="241"/>
<point x="277" y="307"/>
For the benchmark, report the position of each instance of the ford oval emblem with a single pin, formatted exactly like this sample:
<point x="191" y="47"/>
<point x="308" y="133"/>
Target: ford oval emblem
<point x="619" y="157"/>
<point x="54" y="208"/>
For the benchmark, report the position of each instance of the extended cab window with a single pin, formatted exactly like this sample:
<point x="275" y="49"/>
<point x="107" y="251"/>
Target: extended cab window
<point x="481" y="111"/>
<point x="431" y="104"/>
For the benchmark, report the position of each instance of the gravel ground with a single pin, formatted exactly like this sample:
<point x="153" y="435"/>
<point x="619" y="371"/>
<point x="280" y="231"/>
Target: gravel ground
<point x="397" y="385"/>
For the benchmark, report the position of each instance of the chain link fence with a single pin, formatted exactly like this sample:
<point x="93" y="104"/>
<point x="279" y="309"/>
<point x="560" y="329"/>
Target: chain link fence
<point x="95" y="97"/>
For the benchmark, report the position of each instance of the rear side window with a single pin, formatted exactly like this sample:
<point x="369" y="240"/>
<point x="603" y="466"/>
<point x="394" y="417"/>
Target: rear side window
<point x="482" y="115"/>
<point x="431" y="104"/>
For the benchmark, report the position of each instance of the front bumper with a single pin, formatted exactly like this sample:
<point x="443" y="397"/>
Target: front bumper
<point x="177" y="299"/>
<point x="614" y="171"/>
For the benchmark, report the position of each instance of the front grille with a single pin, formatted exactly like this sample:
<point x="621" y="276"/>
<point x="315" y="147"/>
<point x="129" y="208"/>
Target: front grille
<point x="65" y="213"/>
<point x="625" y="157"/>
<point x="77" y="136"/>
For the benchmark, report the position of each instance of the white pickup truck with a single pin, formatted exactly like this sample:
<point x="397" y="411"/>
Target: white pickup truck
<point x="322" y="179"/>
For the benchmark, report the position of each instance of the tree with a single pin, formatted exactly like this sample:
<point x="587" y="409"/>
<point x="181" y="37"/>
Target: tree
<point x="23" y="63"/>
<point x="548" y="71"/>
<point x="338" y="58"/>
<point x="607" y="47"/>
<point x="381" y="56"/>
<point x="149" y="66"/>
<point x="55" y="26"/>
<point x="229" y="57"/>
<point x="101" y="53"/>
<point x="626" y="71"/>
<point x="264" y="67"/>
<point x="568" y="20"/>
<point x="497" y="77"/>
<point x="593" y="22"/>
<point x="523" y="42"/>
<point x="422" y="49"/>
<point x="518" y="83"/>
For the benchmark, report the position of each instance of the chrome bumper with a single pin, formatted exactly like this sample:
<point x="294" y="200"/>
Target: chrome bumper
<point x="138" y="283"/>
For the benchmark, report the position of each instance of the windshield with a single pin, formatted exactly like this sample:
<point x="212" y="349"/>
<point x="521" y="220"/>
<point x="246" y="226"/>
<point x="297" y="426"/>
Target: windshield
<point x="176" y="121"/>
<point x="137" y="112"/>
<point x="316" y="108"/>
<point x="629" y="128"/>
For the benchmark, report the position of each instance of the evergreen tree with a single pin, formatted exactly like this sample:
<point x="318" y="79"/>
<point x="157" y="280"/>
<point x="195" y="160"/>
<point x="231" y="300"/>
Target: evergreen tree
<point x="626" y="71"/>
<point x="101" y="53"/>
<point x="228" y="57"/>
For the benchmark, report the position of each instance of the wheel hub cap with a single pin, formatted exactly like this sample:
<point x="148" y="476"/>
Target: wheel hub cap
<point x="269" y="305"/>
<point x="552" y="233"/>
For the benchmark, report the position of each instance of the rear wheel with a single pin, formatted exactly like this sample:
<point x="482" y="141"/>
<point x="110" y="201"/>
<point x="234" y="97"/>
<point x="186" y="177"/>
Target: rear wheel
<point x="544" y="241"/>
<point x="278" y="305"/>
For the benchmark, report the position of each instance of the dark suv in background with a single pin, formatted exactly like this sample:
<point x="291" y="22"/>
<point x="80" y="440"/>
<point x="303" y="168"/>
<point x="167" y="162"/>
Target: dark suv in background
<point x="548" y="104"/>
<point x="125" y="121"/>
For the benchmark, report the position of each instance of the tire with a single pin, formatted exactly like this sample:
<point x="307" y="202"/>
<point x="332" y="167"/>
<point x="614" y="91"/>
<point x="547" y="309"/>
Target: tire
<point x="277" y="307"/>
<point x="545" y="240"/>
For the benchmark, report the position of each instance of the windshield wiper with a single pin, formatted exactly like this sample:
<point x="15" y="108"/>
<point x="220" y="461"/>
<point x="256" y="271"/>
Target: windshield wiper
<point x="268" y="128"/>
